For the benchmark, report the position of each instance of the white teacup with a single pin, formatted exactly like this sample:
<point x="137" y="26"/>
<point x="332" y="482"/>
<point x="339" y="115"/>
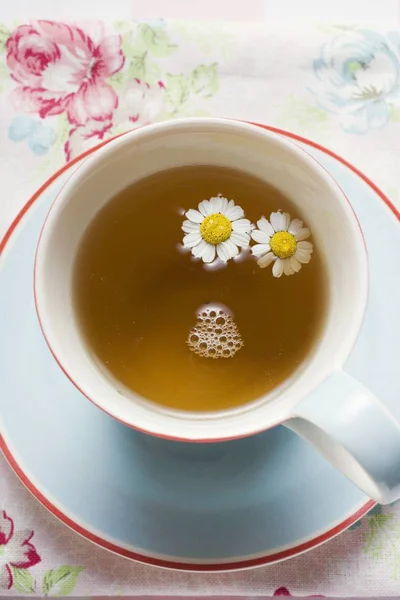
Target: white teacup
<point x="319" y="401"/>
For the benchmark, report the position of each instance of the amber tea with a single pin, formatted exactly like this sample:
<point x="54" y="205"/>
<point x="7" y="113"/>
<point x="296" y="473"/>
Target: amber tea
<point x="199" y="319"/>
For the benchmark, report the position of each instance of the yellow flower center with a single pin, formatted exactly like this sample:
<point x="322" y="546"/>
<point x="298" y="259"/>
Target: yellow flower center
<point x="216" y="228"/>
<point x="283" y="244"/>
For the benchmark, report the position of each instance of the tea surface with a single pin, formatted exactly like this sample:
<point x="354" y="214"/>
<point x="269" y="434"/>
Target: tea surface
<point x="140" y="297"/>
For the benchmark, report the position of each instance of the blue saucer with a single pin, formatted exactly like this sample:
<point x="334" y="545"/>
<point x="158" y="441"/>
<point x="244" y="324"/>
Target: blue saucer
<point x="199" y="507"/>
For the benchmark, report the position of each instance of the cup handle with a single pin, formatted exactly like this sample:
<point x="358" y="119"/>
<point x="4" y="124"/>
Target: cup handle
<point x="350" y="427"/>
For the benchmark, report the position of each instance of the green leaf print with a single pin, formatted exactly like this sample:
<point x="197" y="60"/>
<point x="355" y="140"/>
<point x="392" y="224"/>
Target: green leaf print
<point x="127" y="44"/>
<point x="4" y="75"/>
<point x="382" y="540"/>
<point x="332" y="29"/>
<point x="23" y="581"/>
<point x="121" y="26"/>
<point x="204" y="80"/>
<point x="61" y="581"/>
<point x="4" y="35"/>
<point x="177" y="90"/>
<point x="299" y="115"/>
<point x="137" y="67"/>
<point x="394" y="113"/>
<point x="117" y="80"/>
<point x="183" y="92"/>
<point x="141" y="67"/>
<point x="141" y="48"/>
<point x="156" y="40"/>
<point x="62" y="128"/>
<point x="153" y="72"/>
<point x="146" y="39"/>
<point x="216" y="40"/>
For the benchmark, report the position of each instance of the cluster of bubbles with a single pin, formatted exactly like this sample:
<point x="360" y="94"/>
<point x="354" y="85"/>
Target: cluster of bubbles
<point x="215" y="334"/>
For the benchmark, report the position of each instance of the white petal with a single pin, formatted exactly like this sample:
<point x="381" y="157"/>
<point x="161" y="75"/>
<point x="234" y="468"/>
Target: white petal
<point x="208" y="254"/>
<point x="240" y="239"/>
<point x="234" y="212"/>
<point x="266" y="226"/>
<point x="305" y="246"/>
<point x="302" y="234"/>
<point x="285" y="218"/>
<point x="296" y="266"/>
<point x="303" y="256"/>
<point x="260" y="249"/>
<point x="279" y="221"/>
<point x="275" y="220"/>
<point x="265" y="261"/>
<point x="231" y="204"/>
<point x="242" y="225"/>
<point x="223" y="252"/>
<point x="218" y="204"/>
<point x="287" y="267"/>
<point x="191" y="239"/>
<point x="260" y="236"/>
<point x="214" y="204"/>
<point x="6" y="579"/>
<point x="223" y="205"/>
<point x="190" y="227"/>
<point x="295" y="226"/>
<point x="233" y="249"/>
<point x="227" y="250"/>
<point x="205" y="208"/>
<point x="18" y="550"/>
<point x="198" y="250"/>
<point x="277" y="269"/>
<point x="194" y="216"/>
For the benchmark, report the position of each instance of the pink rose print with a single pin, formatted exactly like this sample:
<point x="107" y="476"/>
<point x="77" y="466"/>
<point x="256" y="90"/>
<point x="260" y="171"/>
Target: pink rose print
<point x="139" y="104"/>
<point x="83" y="138"/>
<point x="15" y="550"/>
<point x="60" y="68"/>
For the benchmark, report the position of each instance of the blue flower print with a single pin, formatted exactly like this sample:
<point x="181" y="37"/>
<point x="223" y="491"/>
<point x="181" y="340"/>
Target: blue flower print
<point x="359" y="78"/>
<point x="40" y="137"/>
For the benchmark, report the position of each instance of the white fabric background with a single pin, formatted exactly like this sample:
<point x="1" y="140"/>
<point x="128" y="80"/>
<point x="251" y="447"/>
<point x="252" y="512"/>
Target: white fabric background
<point x="341" y="567"/>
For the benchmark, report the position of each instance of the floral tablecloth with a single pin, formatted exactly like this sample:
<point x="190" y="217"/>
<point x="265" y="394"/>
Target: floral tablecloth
<point x="66" y="86"/>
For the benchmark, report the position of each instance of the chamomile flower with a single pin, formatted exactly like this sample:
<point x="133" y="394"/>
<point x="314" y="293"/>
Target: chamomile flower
<point x="282" y="242"/>
<point x="217" y="228"/>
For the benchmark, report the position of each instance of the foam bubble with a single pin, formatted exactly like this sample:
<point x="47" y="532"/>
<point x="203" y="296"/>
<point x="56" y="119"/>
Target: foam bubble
<point x="215" y="334"/>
